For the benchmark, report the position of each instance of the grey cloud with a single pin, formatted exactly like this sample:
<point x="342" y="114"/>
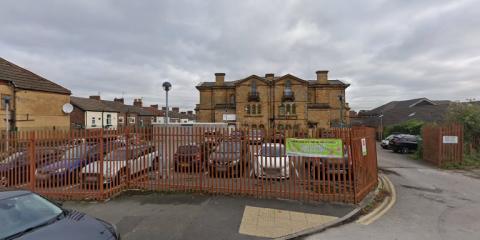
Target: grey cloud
<point x="387" y="50"/>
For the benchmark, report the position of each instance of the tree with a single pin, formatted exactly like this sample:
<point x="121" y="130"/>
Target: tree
<point x="412" y="126"/>
<point x="467" y="114"/>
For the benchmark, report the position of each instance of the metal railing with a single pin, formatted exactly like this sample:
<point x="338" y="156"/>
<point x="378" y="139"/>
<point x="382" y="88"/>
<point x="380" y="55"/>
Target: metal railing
<point x="82" y="164"/>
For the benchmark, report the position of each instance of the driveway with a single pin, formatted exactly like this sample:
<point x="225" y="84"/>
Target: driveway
<point x="431" y="204"/>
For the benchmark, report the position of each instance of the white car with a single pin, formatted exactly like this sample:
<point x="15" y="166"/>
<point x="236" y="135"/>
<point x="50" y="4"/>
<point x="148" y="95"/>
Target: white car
<point x="271" y="161"/>
<point x="116" y="167"/>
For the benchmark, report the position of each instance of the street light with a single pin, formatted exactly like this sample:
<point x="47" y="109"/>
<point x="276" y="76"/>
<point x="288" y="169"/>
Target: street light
<point x="166" y="86"/>
<point x="381" y="125"/>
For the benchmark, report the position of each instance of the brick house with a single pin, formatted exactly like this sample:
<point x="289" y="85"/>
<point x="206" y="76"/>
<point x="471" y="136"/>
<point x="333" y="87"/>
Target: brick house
<point x="285" y="102"/>
<point x="35" y="102"/>
<point x="91" y="113"/>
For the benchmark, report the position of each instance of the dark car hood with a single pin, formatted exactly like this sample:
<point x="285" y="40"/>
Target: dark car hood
<point x="75" y="226"/>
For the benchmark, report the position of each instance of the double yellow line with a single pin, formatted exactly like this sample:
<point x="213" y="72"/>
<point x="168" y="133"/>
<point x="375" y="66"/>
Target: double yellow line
<point x="386" y="204"/>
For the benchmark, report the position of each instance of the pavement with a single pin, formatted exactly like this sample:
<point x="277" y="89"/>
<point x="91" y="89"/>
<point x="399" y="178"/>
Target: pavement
<point x="431" y="204"/>
<point x="196" y="216"/>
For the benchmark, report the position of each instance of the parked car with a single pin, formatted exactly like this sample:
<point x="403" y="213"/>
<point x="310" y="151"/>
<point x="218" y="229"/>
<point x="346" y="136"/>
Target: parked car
<point x="229" y="156"/>
<point x="191" y="157"/>
<point x="330" y="168"/>
<point x="15" y="168"/>
<point x="404" y="143"/>
<point x="117" y="166"/>
<point x="385" y="144"/>
<point x="66" y="169"/>
<point x="26" y="215"/>
<point x="271" y="161"/>
<point x="212" y="137"/>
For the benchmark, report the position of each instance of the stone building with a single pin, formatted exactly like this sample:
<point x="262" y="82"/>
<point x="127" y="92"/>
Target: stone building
<point x="35" y="102"/>
<point x="274" y="102"/>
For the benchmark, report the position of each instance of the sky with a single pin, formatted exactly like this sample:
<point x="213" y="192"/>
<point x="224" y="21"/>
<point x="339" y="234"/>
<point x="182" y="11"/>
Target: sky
<point x="386" y="49"/>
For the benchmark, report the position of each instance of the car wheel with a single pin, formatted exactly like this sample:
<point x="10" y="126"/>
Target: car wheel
<point x="3" y="182"/>
<point x="404" y="150"/>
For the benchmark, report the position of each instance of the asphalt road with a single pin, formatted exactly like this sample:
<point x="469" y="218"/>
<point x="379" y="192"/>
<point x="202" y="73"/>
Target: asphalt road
<point x="189" y="216"/>
<point x="431" y="204"/>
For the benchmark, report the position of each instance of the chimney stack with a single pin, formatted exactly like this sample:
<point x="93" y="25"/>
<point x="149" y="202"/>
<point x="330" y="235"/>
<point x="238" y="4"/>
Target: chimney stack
<point x="190" y="112"/>
<point x="175" y="109"/>
<point x="219" y="79"/>
<point x="96" y="97"/>
<point x="269" y="76"/>
<point x="137" y="102"/>
<point x="322" y="77"/>
<point x="154" y="106"/>
<point x="164" y="108"/>
<point x="119" y="100"/>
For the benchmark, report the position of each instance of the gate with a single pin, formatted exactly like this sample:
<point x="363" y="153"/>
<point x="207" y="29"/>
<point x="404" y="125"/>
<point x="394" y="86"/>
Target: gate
<point x="443" y="144"/>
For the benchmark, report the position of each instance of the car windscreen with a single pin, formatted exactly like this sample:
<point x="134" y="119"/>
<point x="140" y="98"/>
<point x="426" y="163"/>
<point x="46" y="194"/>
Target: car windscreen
<point x="13" y="157"/>
<point x="23" y="212"/>
<point x="272" y="151"/>
<point x="76" y="152"/>
<point x="228" y="147"/>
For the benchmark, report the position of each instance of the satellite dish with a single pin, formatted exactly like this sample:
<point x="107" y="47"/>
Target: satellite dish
<point x="67" y="108"/>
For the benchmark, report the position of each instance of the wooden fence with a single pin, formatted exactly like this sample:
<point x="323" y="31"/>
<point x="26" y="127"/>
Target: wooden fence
<point x="443" y="144"/>
<point x="80" y="164"/>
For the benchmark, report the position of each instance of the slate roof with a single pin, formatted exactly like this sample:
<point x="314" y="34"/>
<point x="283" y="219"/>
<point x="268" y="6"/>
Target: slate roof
<point x="396" y="112"/>
<point x="88" y="104"/>
<point x="24" y="79"/>
<point x="124" y="108"/>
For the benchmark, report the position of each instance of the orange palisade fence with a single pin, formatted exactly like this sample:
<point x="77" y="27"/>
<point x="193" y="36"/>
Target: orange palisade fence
<point x="97" y="164"/>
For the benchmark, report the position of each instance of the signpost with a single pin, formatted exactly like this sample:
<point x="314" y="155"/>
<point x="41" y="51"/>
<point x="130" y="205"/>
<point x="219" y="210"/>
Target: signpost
<point x="364" y="146"/>
<point x="450" y="139"/>
<point x="322" y="147"/>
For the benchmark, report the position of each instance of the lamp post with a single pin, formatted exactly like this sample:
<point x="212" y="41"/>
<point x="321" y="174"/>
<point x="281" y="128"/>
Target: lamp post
<point x="381" y="126"/>
<point x="166" y="86"/>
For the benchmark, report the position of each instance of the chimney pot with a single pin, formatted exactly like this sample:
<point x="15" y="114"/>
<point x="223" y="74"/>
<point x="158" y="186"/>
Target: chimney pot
<point x="269" y="76"/>
<point x="119" y="100"/>
<point x="175" y="109"/>
<point x="322" y="76"/>
<point x="137" y="102"/>
<point x="96" y="97"/>
<point x="154" y="106"/>
<point x="219" y="79"/>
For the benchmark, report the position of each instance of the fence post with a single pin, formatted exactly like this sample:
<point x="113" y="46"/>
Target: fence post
<point x="127" y="156"/>
<point x="31" y="158"/>
<point x="101" y="166"/>
<point x="354" y="163"/>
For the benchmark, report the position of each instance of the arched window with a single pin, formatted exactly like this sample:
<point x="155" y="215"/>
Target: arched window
<point x="288" y="109"/>
<point x="254" y="86"/>
<point x="288" y="87"/>
<point x="247" y="109"/>
<point x="232" y="98"/>
<point x="254" y="126"/>
<point x="261" y="126"/>
<point x="259" y="109"/>
<point x="254" y="109"/>
<point x="281" y="109"/>
<point x="280" y="127"/>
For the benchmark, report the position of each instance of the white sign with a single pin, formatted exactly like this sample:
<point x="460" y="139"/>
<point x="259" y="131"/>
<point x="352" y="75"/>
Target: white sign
<point x="364" y="146"/>
<point x="229" y="117"/>
<point x="450" y="139"/>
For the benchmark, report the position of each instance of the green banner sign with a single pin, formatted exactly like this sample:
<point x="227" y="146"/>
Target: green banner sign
<point x="322" y="147"/>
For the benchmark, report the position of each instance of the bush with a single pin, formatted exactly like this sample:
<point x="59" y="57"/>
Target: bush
<point x="467" y="114"/>
<point x="413" y="127"/>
